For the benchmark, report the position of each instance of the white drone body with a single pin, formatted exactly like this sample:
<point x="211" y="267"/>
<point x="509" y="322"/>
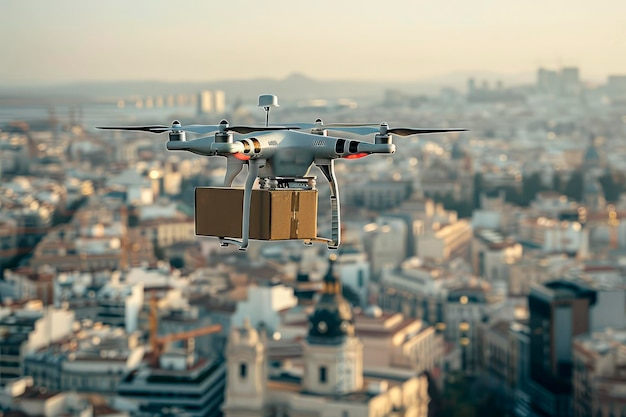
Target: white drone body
<point x="282" y="152"/>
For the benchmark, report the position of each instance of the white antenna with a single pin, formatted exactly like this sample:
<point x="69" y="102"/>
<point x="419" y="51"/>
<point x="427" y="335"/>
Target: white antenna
<point x="266" y="101"/>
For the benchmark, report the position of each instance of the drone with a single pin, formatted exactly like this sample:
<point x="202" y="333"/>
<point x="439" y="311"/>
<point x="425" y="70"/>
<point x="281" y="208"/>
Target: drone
<point x="282" y="155"/>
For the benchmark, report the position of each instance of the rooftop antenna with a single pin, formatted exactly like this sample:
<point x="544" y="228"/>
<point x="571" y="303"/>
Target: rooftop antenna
<point x="266" y="101"/>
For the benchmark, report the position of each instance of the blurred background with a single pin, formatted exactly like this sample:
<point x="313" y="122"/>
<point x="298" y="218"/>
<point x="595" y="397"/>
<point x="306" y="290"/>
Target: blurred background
<point x="482" y="273"/>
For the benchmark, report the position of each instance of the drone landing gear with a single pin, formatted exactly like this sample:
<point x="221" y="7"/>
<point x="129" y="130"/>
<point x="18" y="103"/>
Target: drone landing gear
<point x="328" y="169"/>
<point x="253" y="172"/>
<point x="331" y="245"/>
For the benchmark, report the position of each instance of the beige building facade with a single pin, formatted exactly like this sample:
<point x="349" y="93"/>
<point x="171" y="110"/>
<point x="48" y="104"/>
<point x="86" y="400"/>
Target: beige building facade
<point x="326" y="380"/>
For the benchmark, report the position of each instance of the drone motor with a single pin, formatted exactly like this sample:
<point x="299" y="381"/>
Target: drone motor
<point x="175" y="134"/>
<point x="223" y="135"/>
<point x="383" y="137"/>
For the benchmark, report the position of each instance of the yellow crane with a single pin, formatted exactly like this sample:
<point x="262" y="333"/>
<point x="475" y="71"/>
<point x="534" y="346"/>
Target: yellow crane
<point x="158" y="343"/>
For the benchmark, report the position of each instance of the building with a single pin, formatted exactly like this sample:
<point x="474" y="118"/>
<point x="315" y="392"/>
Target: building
<point x="536" y="267"/>
<point x="327" y="379"/>
<point x="181" y="384"/>
<point x="264" y="305"/>
<point x="211" y="102"/>
<point x="492" y="253"/>
<point x="8" y="238"/>
<point x="466" y="307"/>
<point x="28" y="284"/>
<point x="93" y="360"/>
<point x="599" y="376"/>
<point x="353" y="268"/>
<point x="22" y="397"/>
<point x="559" y="311"/>
<point x="27" y="330"/>
<point x="385" y="243"/>
<point x="378" y="194"/>
<point x="390" y="340"/>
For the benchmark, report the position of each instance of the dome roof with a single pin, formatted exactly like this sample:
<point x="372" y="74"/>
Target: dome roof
<point x="332" y="319"/>
<point x="373" y="311"/>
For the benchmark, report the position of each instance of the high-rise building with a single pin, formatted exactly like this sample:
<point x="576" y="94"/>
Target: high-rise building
<point x="219" y="101"/>
<point x="211" y="102"/>
<point x="559" y="311"/>
<point x="205" y="102"/>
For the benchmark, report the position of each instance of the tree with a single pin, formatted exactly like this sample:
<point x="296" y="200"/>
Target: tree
<point x="612" y="187"/>
<point x="478" y="189"/>
<point x="557" y="182"/>
<point x="531" y="185"/>
<point x="574" y="187"/>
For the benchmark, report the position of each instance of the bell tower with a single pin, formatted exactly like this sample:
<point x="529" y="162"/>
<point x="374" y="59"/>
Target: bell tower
<point x="247" y="372"/>
<point x="333" y="356"/>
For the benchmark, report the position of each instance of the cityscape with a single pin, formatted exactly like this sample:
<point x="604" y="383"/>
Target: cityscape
<point x="481" y="273"/>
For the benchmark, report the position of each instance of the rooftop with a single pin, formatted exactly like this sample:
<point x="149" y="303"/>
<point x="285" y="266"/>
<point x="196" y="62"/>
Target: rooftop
<point x="202" y="370"/>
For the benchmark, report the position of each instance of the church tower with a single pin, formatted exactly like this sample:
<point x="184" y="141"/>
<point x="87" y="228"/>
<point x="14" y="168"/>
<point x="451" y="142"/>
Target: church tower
<point x="593" y="194"/>
<point x="333" y="356"/>
<point x="247" y="372"/>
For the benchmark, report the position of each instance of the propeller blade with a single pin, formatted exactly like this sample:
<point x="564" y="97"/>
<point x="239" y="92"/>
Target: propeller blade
<point x="357" y="130"/>
<point x="331" y="125"/>
<point x="200" y="129"/>
<point x="363" y="129"/>
<point x="400" y="131"/>
<point x="151" y="129"/>
<point x="405" y="131"/>
<point x="251" y="129"/>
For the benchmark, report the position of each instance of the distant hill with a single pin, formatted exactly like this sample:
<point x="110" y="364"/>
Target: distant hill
<point x="293" y="87"/>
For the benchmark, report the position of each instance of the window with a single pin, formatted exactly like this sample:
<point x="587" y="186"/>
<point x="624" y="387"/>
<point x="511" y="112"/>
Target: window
<point x="243" y="370"/>
<point x="322" y="374"/>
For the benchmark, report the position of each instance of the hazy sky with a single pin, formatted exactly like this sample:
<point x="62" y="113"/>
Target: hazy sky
<point x="77" y="40"/>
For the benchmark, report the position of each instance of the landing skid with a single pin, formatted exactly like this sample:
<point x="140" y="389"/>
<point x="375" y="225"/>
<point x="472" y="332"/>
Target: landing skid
<point x="331" y="245"/>
<point x="243" y="247"/>
<point x="308" y="242"/>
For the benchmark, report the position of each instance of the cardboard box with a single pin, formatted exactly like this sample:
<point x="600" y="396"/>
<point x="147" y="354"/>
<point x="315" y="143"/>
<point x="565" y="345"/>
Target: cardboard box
<point x="274" y="215"/>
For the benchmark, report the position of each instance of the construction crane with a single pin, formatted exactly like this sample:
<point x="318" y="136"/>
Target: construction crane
<point x="158" y="343"/>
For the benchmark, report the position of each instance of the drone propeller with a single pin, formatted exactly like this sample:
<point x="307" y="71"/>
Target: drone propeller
<point x="319" y="125"/>
<point x="363" y="129"/>
<point x="383" y="129"/>
<point x="200" y="129"/>
<point x="408" y="131"/>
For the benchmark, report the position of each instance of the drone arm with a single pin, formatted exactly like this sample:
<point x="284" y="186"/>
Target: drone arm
<point x="328" y="169"/>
